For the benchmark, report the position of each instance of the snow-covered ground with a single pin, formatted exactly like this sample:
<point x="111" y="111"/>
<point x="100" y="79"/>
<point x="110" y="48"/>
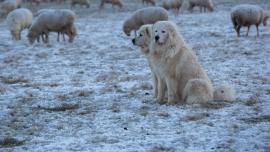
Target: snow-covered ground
<point x="95" y="94"/>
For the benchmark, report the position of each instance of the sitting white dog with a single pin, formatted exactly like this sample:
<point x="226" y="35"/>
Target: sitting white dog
<point x="185" y="78"/>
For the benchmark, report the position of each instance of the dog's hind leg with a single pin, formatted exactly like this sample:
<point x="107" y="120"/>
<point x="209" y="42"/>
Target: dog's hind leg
<point x="197" y="91"/>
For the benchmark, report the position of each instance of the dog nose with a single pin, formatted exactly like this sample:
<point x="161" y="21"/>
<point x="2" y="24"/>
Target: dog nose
<point x="133" y="41"/>
<point x="156" y="37"/>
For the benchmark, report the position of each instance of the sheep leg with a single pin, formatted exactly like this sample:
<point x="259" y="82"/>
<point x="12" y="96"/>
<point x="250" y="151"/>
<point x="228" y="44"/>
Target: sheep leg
<point x="46" y="38"/>
<point x="247" y="30"/>
<point x="238" y="30"/>
<point x="257" y="28"/>
<point x="63" y="34"/>
<point x="58" y="36"/>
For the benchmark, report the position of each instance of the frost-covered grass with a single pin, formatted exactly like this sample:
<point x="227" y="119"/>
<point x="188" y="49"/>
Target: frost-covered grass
<point x="95" y="94"/>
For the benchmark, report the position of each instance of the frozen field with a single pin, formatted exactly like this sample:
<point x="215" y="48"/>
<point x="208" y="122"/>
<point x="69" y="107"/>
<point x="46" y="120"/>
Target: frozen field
<point x="96" y="93"/>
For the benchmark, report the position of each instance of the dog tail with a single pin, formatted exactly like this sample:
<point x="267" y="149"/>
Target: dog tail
<point x="224" y="92"/>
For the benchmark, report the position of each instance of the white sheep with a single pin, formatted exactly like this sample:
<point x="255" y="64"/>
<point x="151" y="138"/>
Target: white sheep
<point x="143" y="16"/>
<point x="53" y="21"/>
<point x="80" y="2"/>
<point x="203" y="4"/>
<point x="17" y="20"/>
<point x="8" y="6"/>
<point x="172" y="4"/>
<point x="247" y="15"/>
<point x="152" y="2"/>
<point x="118" y="3"/>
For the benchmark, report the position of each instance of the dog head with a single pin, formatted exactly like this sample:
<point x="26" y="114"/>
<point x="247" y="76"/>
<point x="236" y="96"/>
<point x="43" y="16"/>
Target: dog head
<point x="143" y="38"/>
<point x="163" y="32"/>
<point x="166" y="40"/>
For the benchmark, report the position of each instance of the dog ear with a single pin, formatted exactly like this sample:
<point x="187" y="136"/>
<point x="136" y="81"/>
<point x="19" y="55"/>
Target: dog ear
<point x="148" y="30"/>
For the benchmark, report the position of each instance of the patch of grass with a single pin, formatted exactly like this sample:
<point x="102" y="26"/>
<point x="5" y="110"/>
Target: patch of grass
<point x="213" y="105"/>
<point x="84" y="93"/>
<point x="61" y="108"/>
<point x="196" y="117"/>
<point x="252" y="100"/>
<point x="144" y="111"/>
<point x="161" y="148"/>
<point x="10" y="142"/>
<point x="13" y="79"/>
<point x="257" y="119"/>
<point x="115" y="107"/>
<point x="164" y="114"/>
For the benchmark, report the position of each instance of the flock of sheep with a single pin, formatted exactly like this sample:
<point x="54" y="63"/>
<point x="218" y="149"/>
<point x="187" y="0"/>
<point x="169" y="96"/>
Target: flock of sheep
<point x="62" y="21"/>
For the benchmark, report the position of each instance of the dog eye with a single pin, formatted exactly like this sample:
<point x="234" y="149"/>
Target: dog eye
<point x="163" y="31"/>
<point x="141" y="35"/>
<point x="156" y="31"/>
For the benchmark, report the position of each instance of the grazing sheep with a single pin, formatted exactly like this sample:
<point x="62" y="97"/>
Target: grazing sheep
<point x="58" y="33"/>
<point x="53" y="21"/>
<point x="18" y="20"/>
<point x="247" y="15"/>
<point x="80" y="2"/>
<point x="172" y="4"/>
<point x="148" y="15"/>
<point x="152" y="2"/>
<point x="118" y="3"/>
<point x="203" y="4"/>
<point x="224" y="93"/>
<point x="8" y="6"/>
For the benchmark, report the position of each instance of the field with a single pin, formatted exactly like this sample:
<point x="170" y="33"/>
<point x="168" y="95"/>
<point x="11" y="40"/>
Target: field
<point x="96" y="94"/>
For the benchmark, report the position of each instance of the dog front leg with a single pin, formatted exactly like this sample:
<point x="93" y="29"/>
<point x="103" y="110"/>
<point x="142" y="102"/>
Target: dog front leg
<point x="161" y="90"/>
<point x="155" y="84"/>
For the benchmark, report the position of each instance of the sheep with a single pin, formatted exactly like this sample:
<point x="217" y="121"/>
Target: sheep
<point x="247" y="15"/>
<point x="53" y="21"/>
<point x="8" y="6"/>
<point x="143" y="16"/>
<point x="58" y="33"/>
<point x="152" y="2"/>
<point x="17" y="20"/>
<point x="80" y="2"/>
<point x="118" y="3"/>
<point x="224" y="92"/>
<point x="172" y="4"/>
<point x="202" y="4"/>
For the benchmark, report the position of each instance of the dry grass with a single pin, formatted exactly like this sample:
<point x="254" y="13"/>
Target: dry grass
<point x="252" y="100"/>
<point x="195" y="117"/>
<point x="144" y="111"/>
<point x="13" y="79"/>
<point x="61" y="108"/>
<point x="213" y="105"/>
<point x="115" y="107"/>
<point x="161" y="148"/>
<point x="10" y="142"/>
<point x="257" y="119"/>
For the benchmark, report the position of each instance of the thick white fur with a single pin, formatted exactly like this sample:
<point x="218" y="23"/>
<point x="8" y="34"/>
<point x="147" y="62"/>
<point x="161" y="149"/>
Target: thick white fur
<point x="143" y="40"/>
<point x="18" y="20"/>
<point x="185" y="78"/>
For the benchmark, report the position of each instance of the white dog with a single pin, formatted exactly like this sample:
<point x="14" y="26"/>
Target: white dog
<point x="185" y="78"/>
<point x="143" y="40"/>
